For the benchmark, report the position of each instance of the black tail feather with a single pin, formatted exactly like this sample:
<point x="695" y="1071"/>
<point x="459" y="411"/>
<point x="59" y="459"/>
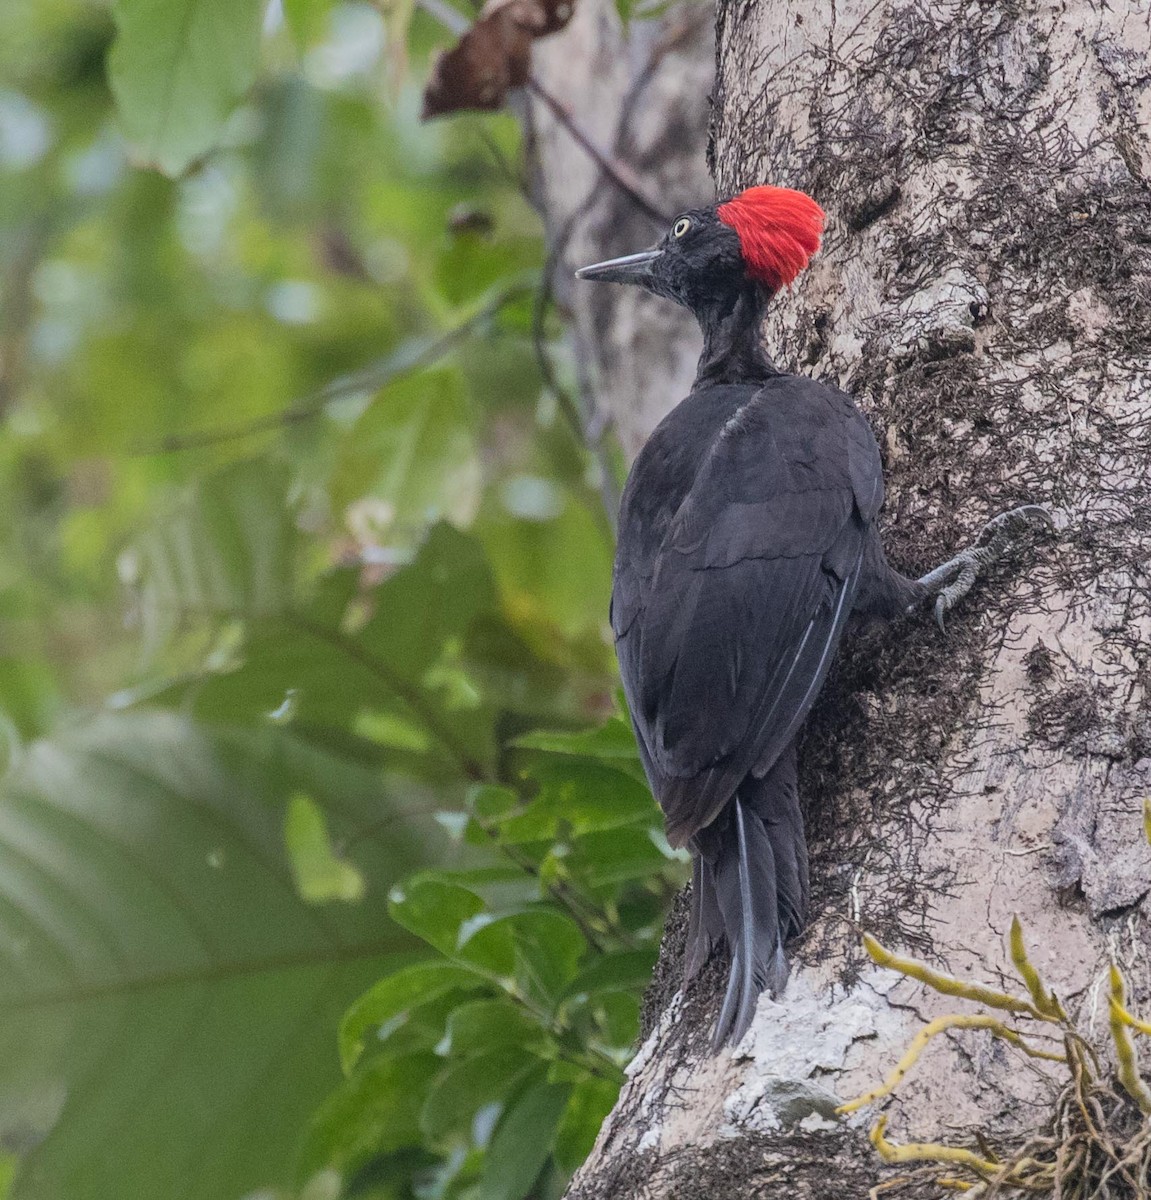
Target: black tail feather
<point x="745" y="888"/>
<point x="750" y="890"/>
<point x="775" y="800"/>
<point x="705" y="923"/>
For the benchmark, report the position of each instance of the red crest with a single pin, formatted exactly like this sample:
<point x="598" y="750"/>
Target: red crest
<point x="778" y="231"/>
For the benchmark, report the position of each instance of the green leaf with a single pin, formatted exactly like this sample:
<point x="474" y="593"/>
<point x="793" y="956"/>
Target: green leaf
<point x="408" y="661"/>
<point x="616" y="856"/>
<point x="320" y="874"/>
<point x="7" y="1174"/>
<point x="159" y="972"/>
<point x="307" y="19"/>
<point x="554" y="571"/>
<point x="394" y="996"/>
<point x="612" y="740"/>
<point x="430" y="604"/>
<point x="618" y="1014"/>
<point x="227" y="551"/>
<point x="413" y="454"/>
<point x="177" y="69"/>
<point x="488" y="804"/>
<point x="548" y="946"/>
<point x="522" y="1142"/>
<point x="539" y="946"/>
<point x="585" y="796"/>
<point x="482" y="1025"/>
<point x="628" y="971"/>
<point x="375" y="1112"/>
<point x="591" y="1101"/>
<point x="461" y="1089"/>
<point x="435" y="909"/>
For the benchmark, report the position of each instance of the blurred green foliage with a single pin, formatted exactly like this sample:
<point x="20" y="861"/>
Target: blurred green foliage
<point x="300" y="554"/>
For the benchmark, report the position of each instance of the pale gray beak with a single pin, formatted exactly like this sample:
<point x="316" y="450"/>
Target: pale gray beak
<point x="632" y="268"/>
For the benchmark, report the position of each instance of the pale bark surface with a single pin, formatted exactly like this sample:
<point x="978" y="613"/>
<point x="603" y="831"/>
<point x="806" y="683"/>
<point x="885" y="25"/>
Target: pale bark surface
<point x="985" y="292"/>
<point x="643" y="93"/>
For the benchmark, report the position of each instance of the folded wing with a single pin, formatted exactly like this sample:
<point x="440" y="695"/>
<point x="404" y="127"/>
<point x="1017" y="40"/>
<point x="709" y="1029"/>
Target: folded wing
<point x="727" y="613"/>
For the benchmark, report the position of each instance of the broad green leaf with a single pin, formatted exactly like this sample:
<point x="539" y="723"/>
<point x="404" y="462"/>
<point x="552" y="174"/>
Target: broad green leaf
<point x="618" y="1014"/>
<point x="158" y="971"/>
<point x="612" y="740"/>
<point x="628" y="971"/>
<point x="307" y="19"/>
<point x="177" y="69"/>
<point x="548" y="946"/>
<point x="228" y="550"/>
<point x="320" y="873"/>
<point x="522" y="1142"/>
<point x="541" y="945"/>
<point x="488" y="803"/>
<point x="586" y="797"/>
<point x="482" y="1025"/>
<point x="435" y="909"/>
<point x="393" y="996"/>
<point x="412" y="453"/>
<point x="407" y="661"/>
<point x="604" y="860"/>
<point x="27" y="699"/>
<point x="431" y="604"/>
<point x="462" y="1088"/>
<point x="554" y="569"/>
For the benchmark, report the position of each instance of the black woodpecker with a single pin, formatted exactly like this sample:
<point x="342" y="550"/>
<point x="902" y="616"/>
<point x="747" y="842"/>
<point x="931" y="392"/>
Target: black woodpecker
<point x="747" y="537"/>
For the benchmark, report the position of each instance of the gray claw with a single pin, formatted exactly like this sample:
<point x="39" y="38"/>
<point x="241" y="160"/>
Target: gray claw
<point x="954" y="579"/>
<point x="1026" y="514"/>
<point x="940" y="609"/>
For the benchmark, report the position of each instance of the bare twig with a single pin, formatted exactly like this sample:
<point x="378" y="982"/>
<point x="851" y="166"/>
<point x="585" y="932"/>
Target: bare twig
<point x="578" y="411"/>
<point x="412" y="356"/>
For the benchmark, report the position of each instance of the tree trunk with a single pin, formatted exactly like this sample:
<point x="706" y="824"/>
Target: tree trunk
<point x="985" y="292"/>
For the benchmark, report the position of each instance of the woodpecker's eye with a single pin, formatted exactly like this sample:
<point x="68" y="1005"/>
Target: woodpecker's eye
<point x="681" y="227"/>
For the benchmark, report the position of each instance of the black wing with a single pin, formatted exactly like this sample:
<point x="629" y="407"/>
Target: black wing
<point x="727" y="607"/>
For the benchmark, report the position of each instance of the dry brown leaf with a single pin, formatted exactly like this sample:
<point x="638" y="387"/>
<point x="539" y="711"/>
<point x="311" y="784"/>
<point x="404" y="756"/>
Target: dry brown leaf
<point x="493" y="57"/>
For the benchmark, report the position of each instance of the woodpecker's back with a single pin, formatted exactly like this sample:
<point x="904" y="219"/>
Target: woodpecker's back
<point x="743" y="529"/>
<point x="744" y="535"/>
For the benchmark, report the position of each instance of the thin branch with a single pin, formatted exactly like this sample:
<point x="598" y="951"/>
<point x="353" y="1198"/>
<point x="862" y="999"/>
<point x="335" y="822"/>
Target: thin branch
<point x="584" y="424"/>
<point x="411" y="356"/>
<point x="617" y="171"/>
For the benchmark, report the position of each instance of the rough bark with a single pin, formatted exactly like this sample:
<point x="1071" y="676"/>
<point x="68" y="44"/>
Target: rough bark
<point x="985" y="292"/>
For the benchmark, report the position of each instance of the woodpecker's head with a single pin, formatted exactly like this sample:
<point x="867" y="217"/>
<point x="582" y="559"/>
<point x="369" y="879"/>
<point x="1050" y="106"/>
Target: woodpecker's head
<point x="763" y="236"/>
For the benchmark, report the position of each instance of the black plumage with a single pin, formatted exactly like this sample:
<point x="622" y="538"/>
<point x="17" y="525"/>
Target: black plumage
<point x="747" y="538"/>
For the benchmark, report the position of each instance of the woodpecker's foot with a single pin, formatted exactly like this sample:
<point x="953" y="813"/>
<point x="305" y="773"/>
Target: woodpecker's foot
<point x="952" y="581"/>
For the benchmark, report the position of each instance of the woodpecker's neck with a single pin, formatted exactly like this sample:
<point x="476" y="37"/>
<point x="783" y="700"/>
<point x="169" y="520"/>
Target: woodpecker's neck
<point x="733" y="349"/>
